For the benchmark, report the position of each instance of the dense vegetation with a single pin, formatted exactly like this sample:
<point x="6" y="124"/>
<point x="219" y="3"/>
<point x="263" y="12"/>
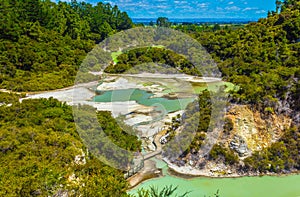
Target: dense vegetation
<point x="281" y="156"/>
<point x="128" y="60"/>
<point x="197" y="119"/>
<point x="193" y="28"/>
<point x="38" y="147"/>
<point x="223" y="154"/>
<point x="203" y="113"/>
<point x="9" y="98"/>
<point x="42" y="43"/>
<point x="119" y="136"/>
<point x="262" y="58"/>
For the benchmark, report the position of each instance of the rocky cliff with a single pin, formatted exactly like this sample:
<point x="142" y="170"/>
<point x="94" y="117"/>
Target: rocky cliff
<point x="252" y="131"/>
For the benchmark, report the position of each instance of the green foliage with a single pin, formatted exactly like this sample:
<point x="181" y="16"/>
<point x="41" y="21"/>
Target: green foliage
<point x="280" y="156"/>
<point x="195" y="121"/>
<point x="192" y="29"/>
<point x="38" y="147"/>
<point x="155" y="192"/>
<point x="125" y="139"/>
<point x="228" y="125"/>
<point x="8" y="98"/>
<point x="219" y="152"/>
<point x="42" y="43"/>
<point x="129" y="59"/>
<point x="261" y="58"/>
<point x="204" y="115"/>
<point x="163" y="22"/>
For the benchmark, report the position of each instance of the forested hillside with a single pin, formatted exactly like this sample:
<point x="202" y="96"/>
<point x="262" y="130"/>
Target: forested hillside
<point x="42" y="154"/>
<point x="262" y="58"/>
<point x="42" y="43"/>
<point x="128" y="61"/>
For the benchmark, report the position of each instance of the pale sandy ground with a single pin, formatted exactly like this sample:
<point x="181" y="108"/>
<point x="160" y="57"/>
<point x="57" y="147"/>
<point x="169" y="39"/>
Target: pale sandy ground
<point x="125" y="82"/>
<point x="136" y="119"/>
<point x="117" y="108"/>
<point x="170" y="76"/>
<point x="69" y="96"/>
<point x="76" y="92"/>
<point x="151" y="129"/>
<point x="187" y="170"/>
<point x="149" y="171"/>
<point x="211" y="170"/>
<point x="119" y="84"/>
<point x="81" y="95"/>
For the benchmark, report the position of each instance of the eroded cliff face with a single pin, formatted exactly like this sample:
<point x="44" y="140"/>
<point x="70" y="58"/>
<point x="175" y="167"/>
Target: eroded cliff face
<point x="246" y="131"/>
<point x="252" y="131"/>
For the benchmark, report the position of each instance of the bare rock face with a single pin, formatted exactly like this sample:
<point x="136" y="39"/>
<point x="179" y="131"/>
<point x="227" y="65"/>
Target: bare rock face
<point x="250" y="132"/>
<point x="61" y="193"/>
<point x="239" y="145"/>
<point x="80" y="159"/>
<point x="148" y="144"/>
<point x="245" y="131"/>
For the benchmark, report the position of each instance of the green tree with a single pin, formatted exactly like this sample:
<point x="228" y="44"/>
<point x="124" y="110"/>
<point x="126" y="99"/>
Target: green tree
<point x="163" y="22"/>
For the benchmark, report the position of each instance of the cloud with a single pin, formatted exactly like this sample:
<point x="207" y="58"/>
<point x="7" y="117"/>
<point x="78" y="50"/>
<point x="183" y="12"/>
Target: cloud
<point x="230" y="3"/>
<point x="249" y="9"/>
<point x="232" y="8"/>
<point x="180" y="2"/>
<point x="125" y="1"/>
<point x="161" y="6"/>
<point x="202" y="5"/>
<point x="260" y="12"/>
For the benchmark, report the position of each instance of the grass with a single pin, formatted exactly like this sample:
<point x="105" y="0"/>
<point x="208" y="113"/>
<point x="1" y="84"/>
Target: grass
<point x="115" y="55"/>
<point x="214" y="86"/>
<point x="148" y="83"/>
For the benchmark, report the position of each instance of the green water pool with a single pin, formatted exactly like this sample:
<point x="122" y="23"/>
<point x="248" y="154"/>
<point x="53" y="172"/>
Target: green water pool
<point x="266" y="186"/>
<point x="144" y="98"/>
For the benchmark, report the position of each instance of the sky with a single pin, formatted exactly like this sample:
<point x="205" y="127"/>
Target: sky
<point x="245" y="9"/>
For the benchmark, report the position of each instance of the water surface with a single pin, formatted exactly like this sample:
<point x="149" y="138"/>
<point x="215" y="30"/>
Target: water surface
<point x="144" y="98"/>
<point x="285" y="186"/>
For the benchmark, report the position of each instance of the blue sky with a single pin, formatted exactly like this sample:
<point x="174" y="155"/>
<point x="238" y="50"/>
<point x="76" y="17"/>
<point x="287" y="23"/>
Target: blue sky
<point x="246" y="9"/>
